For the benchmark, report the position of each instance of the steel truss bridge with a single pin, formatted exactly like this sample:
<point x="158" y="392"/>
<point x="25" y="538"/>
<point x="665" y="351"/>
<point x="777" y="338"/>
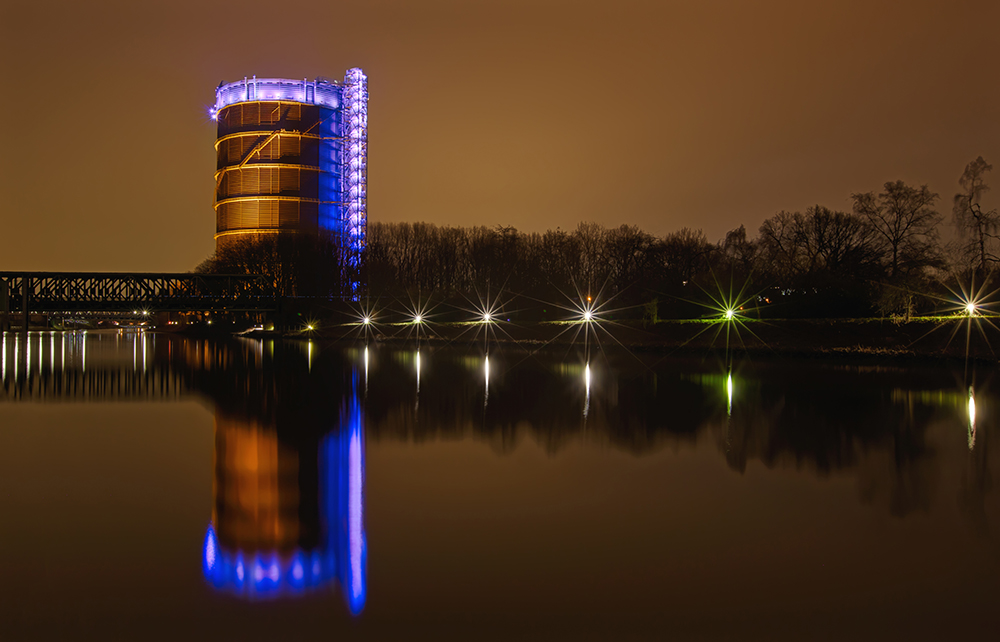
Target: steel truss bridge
<point x="25" y="293"/>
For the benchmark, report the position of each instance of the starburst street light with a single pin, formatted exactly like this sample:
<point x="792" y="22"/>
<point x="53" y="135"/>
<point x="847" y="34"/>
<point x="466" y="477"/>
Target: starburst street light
<point x="967" y="299"/>
<point x="418" y="318"/>
<point x="366" y="320"/>
<point x="487" y="317"/>
<point x="729" y="314"/>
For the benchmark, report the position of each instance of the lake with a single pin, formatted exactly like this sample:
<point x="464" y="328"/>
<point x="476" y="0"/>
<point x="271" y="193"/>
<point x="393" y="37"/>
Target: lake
<point x="155" y="487"/>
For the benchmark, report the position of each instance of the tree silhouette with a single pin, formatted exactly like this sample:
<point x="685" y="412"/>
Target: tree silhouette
<point x="977" y="226"/>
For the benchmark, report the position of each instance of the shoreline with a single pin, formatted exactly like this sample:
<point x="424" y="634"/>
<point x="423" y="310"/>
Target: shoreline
<point x="926" y="339"/>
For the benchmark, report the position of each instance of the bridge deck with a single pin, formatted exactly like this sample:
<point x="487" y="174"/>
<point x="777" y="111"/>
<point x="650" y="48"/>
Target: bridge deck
<point x="69" y="292"/>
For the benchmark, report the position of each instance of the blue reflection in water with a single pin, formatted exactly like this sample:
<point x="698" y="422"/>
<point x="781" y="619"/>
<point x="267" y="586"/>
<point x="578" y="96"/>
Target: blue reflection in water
<point x="342" y="467"/>
<point x="270" y="573"/>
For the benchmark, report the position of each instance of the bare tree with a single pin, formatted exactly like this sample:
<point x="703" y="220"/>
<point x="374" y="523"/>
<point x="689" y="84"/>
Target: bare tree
<point x="686" y="254"/>
<point x="292" y="264"/>
<point x="740" y="252"/>
<point x="628" y="255"/>
<point x="904" y="220"/>
<point x="591" y="240"/>
<point x="834" y="242"/>
<point x="978" y="226"/>
<point x="778" y="247"/>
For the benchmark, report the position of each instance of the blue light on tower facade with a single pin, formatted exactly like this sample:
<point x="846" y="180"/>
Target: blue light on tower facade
<point x="293" y="157"/>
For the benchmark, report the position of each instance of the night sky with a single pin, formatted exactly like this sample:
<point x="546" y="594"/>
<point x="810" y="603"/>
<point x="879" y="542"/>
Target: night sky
<point x="536" y="114"/>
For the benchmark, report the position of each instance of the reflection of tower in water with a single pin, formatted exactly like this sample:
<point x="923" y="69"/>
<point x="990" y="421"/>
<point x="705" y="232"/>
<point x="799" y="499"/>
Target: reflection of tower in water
<point x="288" y="514"/>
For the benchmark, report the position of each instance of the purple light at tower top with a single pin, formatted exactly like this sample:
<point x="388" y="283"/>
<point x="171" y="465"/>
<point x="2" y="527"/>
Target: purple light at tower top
<point x="250" y="89"/>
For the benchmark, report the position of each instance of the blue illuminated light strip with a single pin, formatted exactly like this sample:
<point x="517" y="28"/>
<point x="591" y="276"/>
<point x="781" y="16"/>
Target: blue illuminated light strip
<point x="313" y="92"/>
<point x="354" y="116"/>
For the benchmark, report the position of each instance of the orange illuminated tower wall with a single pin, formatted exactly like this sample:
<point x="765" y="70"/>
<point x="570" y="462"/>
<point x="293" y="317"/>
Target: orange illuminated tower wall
<point x="269" y="174"/>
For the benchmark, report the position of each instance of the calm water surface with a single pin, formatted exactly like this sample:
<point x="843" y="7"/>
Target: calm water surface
<point x="154" y="487"/>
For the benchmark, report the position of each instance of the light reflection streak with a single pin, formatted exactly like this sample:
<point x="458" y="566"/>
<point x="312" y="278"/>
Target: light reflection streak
<point x="309" y="354"/>
<point x="729" y="394"/>
<point x="972" y="418"/>
<point x="486" y="367"/>
<point x="586" y="403"/>
<point x="3" y="358"/>
<point x="355" y="515"/>
<point x="366" y="370"/>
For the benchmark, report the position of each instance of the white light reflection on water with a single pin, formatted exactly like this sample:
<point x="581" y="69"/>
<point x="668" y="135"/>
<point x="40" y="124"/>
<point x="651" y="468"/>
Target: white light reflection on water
<point x="309" y="354"/>
<point x="729" y="394"/>
<point x="586" y="403"/>
<point x="52" y="351"/>
<point x="366" y="370"/>
<point x="3" y="359"/>
<point x="972" y="418"/>
<point x="486" y="368"/>
<point x="416" y="405"/>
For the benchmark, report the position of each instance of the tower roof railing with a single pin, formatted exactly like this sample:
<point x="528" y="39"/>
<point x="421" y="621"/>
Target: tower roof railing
<point x="252" y="89"/>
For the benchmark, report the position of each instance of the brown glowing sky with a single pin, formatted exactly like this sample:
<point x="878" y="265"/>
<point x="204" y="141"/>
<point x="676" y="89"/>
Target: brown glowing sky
<point x="535" y="114"/>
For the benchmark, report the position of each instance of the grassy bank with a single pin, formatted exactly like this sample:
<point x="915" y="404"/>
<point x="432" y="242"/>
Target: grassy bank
<point x="938" y="337"/>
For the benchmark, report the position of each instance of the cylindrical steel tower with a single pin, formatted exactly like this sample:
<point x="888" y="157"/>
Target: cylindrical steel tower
<point x="292" y="158"/>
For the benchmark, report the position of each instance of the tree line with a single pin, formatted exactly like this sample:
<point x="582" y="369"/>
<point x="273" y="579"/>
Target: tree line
<point x="887" y="256"/>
